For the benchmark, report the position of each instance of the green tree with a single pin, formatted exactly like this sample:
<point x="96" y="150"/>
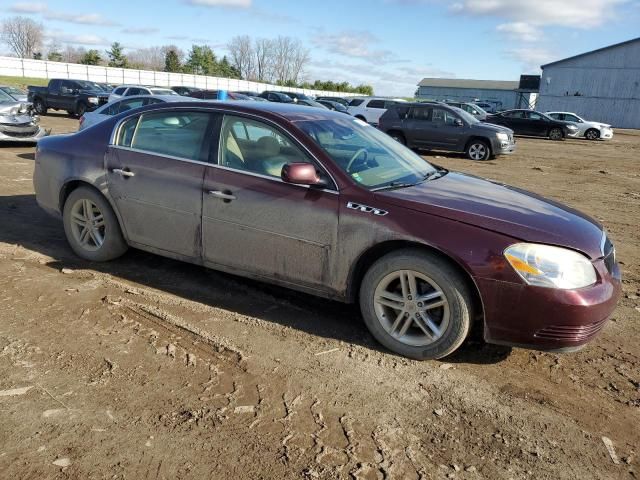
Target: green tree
<point x="201" y="61"/>
<point x="54" y="56"/>
<point x="91" y="57"/>
<point x="116" y="56"/>
<point x="172" y="61"/>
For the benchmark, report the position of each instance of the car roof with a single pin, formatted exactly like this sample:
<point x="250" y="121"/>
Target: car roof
<point x="288" y="111"/>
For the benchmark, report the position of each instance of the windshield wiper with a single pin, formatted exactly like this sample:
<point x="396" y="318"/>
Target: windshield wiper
<point x="393" y="186"/>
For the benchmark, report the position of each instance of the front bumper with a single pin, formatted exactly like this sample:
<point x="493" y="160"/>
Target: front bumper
<point x="22" y="133"/>
<point x="549" y="319"/>
<point x="606" y="134"/>
<point x="503" y="147"/>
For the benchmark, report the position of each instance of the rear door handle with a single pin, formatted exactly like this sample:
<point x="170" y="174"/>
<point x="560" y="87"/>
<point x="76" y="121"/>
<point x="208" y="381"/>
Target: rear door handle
<point x="123" y="173"/>
<point x="222" y="195"/>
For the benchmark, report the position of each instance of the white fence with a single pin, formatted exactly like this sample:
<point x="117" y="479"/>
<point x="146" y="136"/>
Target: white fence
<point x="23" y="67"/>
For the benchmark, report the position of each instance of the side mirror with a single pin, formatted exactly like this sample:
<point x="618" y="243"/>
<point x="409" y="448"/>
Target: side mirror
<point x="300" y="174"/>
<point x="458" y="123"/>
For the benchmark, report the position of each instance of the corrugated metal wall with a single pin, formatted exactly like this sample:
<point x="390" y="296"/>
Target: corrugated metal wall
<point x="506" y="99"/>
<point x="602" y="86"/>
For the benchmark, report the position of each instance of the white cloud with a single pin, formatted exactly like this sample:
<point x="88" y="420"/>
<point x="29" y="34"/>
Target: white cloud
<point x="221" y="3"/>
<point x="354" y="44"/>
<point x="521" y="31"/>
<point x="64" y="37"/>
<point x="140" y="30"/>
<point x="84" y="19"/>
<point x="566" y="13"/>
<point x="28" y="7"/>
<point x="531" y="58"/>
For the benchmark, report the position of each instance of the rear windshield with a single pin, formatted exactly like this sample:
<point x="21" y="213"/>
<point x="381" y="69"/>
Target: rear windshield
<point x="162" y="91"/>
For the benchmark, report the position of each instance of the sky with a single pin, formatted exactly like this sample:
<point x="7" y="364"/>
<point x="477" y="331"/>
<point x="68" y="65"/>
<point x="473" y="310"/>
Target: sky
<point x="390" y="44"/>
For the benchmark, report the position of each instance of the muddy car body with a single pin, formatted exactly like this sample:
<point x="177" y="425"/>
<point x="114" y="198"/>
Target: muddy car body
<point x="300" y="202"/>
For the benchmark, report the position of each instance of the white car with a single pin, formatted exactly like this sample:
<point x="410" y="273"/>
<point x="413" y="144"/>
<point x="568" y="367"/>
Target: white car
<point x="370" y="109"/>
<point x="122" y="105"/>
<point x="588" y="130"/>
<point x="131" y="90"/>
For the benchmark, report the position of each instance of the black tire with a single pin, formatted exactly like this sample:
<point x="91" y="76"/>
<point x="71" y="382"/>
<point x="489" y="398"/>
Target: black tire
<point x="450" y="284"/>
<point x="81" y="109"/>
<point x="113" y="245"/>
<point x="398" y="137"/>
<point x="478" y="150"/>
<point x="39" y="106"/>
<point x="592" y="134"/>
<point x="71" y="112"/>
<point x="556" y="134"/>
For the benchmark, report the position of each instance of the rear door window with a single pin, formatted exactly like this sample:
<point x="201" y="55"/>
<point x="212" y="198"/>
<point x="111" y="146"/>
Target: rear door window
<point x="376" y="104"/>
<point x="422" y="114"/>
<point x="514" y="114"/>
<point x="176" y="134"/>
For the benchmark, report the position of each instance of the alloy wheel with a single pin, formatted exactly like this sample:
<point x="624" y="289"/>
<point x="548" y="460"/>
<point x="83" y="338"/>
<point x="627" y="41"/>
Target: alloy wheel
<point x="555" y="134"/>
<point x="592" y="135"/>
<point x="412" y="308"/>
<point x="87" y="224"/>
<point x="477" y="151"/>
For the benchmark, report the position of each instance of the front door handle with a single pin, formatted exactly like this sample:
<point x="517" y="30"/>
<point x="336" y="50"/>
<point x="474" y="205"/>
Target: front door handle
<point x="222" y="195"/>
<point x="123" y="173"/>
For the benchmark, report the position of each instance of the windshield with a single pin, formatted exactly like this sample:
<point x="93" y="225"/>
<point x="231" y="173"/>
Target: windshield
<point x="13" y="91"/>
<point x="5" y="97"/>
<point x="369" y="156"/>
<point x="466" y="116"/>
<point x="84" y="85"/>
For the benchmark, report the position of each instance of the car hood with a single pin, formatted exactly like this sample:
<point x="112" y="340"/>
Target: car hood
<point x="501" y="208"/>
<point x="490" y="127"/>
<point x="597" y="125"/>
<point x="96" y="93"/>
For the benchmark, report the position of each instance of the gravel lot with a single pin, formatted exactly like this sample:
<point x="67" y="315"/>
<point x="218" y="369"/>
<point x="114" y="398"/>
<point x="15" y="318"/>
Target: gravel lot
<point x="151" y="368"/>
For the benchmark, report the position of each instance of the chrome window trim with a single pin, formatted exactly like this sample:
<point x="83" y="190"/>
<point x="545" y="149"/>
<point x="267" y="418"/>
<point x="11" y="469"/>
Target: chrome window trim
<point x="221" y="167"/>
<point x="116" y="129"/>
<point x="289" y="137"/>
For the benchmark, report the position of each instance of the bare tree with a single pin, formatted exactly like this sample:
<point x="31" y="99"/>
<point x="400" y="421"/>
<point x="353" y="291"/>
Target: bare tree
<point x="72" y="54"/>
<point x="22" y="35"/>
<point x="151" y="58"/>
<point x="300" y="58"/>
<point x="242" y="56"/>
<point x="263" y="54"/>
<point x="282" y="48"/>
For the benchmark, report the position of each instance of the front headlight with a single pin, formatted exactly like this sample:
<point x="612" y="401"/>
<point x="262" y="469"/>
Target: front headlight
<point x="92" y="100"/>
<point x="502" y="136"/>
<point x="551" y="267"/>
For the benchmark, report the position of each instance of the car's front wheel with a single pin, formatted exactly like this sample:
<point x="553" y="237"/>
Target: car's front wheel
<point x="592" y="134"/>
<point x="81" y="109"/>
<point x="556" y="134"/>
<point x="416" y="304"/>
<point x="39" y="106"/>
<point x="478" y="150"/>
<point x="91" y="226"/>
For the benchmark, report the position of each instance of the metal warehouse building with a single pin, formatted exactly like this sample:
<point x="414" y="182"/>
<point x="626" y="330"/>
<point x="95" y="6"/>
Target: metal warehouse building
<point x="503" y="95"/>
<point x="602" y="85"/>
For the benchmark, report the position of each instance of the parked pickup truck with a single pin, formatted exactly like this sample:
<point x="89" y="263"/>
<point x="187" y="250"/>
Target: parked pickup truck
<point x="74" y="96"/>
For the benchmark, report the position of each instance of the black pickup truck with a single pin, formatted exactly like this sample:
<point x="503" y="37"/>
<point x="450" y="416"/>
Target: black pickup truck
<point x="74" y="96"/>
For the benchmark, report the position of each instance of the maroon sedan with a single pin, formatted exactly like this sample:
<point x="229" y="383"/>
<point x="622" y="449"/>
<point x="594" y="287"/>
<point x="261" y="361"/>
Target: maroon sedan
<point x="326" y="204"/>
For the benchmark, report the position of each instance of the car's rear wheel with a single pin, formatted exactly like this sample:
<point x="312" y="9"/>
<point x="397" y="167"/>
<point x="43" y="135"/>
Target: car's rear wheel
<point x="398" y="137"/>
<point x="91" y="226"/>
<point x="416" y="304"/>
<point x="478" y="150"/>
<point x="592" y="134"/>
<point x="556" y="134"/>
<point x="39" y="106"/>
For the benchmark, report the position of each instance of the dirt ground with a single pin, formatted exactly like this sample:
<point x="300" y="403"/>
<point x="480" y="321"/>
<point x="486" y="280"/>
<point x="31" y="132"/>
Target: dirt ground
<point x="151" y="368"/>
